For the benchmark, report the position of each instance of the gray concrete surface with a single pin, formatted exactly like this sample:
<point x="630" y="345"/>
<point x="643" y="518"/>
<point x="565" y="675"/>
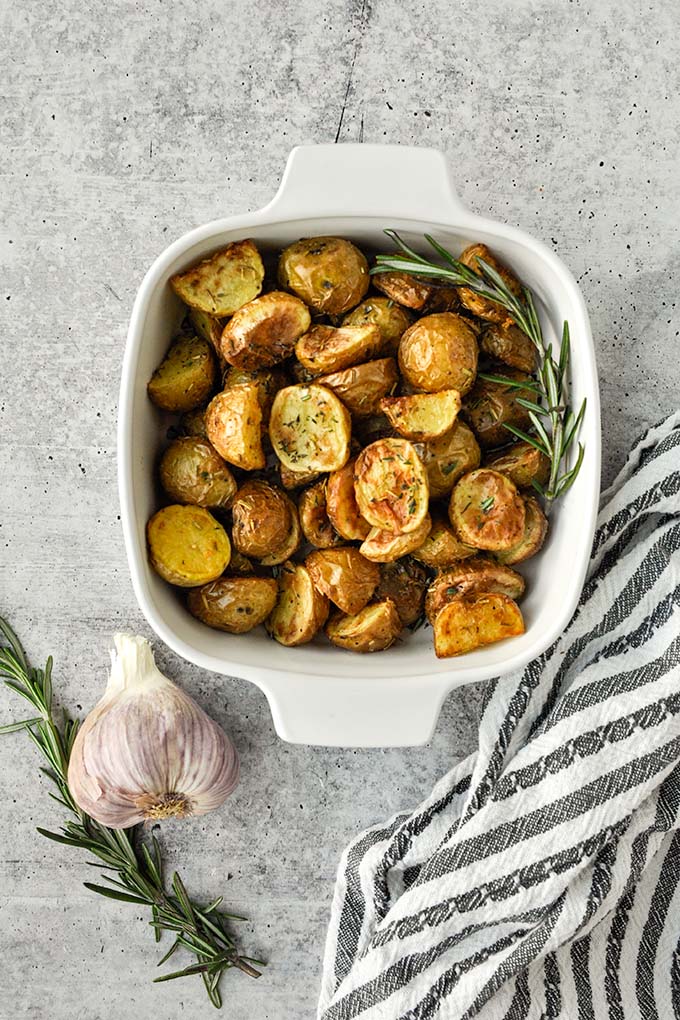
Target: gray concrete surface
<point x="122" y="125"/>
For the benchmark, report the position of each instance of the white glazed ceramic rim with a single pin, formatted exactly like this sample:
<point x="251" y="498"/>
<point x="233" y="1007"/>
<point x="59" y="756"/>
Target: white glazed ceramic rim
<point x="409" y="188"/>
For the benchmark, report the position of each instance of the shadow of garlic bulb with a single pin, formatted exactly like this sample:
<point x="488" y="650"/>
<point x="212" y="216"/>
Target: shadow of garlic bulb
<point x="147" y="751"/>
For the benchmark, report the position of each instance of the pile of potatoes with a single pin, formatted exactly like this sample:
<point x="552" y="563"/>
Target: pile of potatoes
<point x="338" y="464"/>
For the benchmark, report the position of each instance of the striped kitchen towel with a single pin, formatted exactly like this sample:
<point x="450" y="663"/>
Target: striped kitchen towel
<point x="541" y="877"/>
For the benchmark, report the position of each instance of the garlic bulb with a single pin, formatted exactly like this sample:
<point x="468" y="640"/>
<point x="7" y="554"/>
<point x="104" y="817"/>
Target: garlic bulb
<point x="147" y="751"/>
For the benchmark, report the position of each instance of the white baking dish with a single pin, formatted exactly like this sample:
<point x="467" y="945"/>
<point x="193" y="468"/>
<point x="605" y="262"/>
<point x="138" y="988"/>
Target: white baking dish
<point x="319" y="694"/>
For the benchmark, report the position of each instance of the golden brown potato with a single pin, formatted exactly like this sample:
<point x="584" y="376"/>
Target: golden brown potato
<point x="422" y="416"/>
<point x="268" y="380"/>
<point x="439" y="352"/>
<point x="233" y="422"/>
<point x="301" y="610"/>
<point x="389" y="317"/>
<point x="185" y="377"/>
<point x="262" y="519"/>
<point x="391" y="487"/>
<point x="361" y="387"/>
<point x="326" y="349"/>
<point x="490" y="406"/>
<point x="522" y="463"/>
<point x="328" y="273"/>
<point x="475" y="303"/>
<point x="509" y="345"/>
<point x="192" y="471"/>
<point x="416" y="292"/>
<point x="372" y="629"/>
<point x="207" y="326"/>
<point x="234" y="604"/>
<point x="310" y="428"/>
<point x="221" y="284"/>
<point x="314" y="519"/>
<point x="385" y="547"/>
<point x="341" y="504"/>
<point x="265" y="331"/>
<point x="471" y="621"/>
<point x="289" y="545"/>
<point x="475" y="575"/>
<point x="296" y="479"/>
<point x="487" y="511"/>
<point x="535" y="530"/>
<point x="344" y="576"/>
<point x="443" y="299"/>
<point x="192" y="423"/>
<point x="405" y="583"/>
<point x="442" y="547"/>
<point x="187" y="546"/>
<point x="449" y="457"/>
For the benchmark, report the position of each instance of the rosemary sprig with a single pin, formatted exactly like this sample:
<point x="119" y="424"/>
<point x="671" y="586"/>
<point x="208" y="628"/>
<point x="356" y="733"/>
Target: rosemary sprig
<point x="556" y="425"/>
<point x="134" y="869"/>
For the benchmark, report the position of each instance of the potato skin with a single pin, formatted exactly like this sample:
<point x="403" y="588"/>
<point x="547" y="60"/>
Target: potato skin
<point x="296" y="479"/>
<point x="405" y="583"/>
<point x="416" y="292"/>
<point x="342" y="507"/>
<point x="390" y="484"/>
<point x="475" y="575"/>
<point x="487" y="511"/>
<point x="314" y="519"/>
<point x="385" y="547"/>
<point x="490" y="406"/>
<point x="186" y="545"/>
<point x="361" y="387"/>
<point x="447" y="458"/>
<point x="480" y="306"/>
<point x="233" y="422"/>
<point x="442" y="547"/>
<point x="265" y="331"/>
<point x="185" y="377"/>
<point x="422" y="416"/>
<point x="192" y="471"/>
<point x="310" y="428"/>
<point x="268" y="381"/>
<point x="535" y="531"/>
<point x="391" y="319"/>
<point x="192" y="423"/>
<point x="207" y="326"/>
<point x="326" y="349"/>
<point x="233" y="604"/>
<point x="522" y="463"/>
<point x="328" y="273"/>
<point x="439" y="352"/>
<point x="372" y="629"/>
<point x="262" y="519"/>
<point x="301" y="610"/>
<point x="222" y="283"/>
<point x="509" y="345"/>
<point x="471" y="621"/>
<point x="344" y="576"/>
<point x="289" y="545"/>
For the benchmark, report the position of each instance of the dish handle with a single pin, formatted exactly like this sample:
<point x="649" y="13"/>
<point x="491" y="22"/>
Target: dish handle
<point x="366" y="180"/>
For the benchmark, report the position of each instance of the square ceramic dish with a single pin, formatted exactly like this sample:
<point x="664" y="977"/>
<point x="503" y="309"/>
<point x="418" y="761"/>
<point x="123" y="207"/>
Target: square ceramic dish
<point x="317" y="693"/>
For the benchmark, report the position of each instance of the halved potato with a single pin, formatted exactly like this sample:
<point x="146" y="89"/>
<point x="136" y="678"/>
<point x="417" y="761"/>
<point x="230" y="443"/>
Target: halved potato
<point x="265" y="331"/>
<point x="405" y="583"/>
<point x="341" y="504"/>
<point x="471" y="621"/>
<point x="327" y="349"/>
<point x="192" y="423"/>
<point x="449" y="457"/>
<point x="233" y="422"/>
<point x="522" y="463"/>
<point x="223" y="283"/>
<point x="439" y="352"/>
<point x="310" y="428"/>
<point x="207" y="326"/>
<point x="490" y="406"/>
<point x="192" y="471"/>
<point x="314" y="519"/>
<point x="301" y="609"/>
<point x="361" y="387"/>
<point x="328" y="273"/>
<point x="416" y="292"/>
<point x="268" y="381"/>
<point x="487" y="511"/>
<point x="185" y="377"/>
<point x="344" y="576"/>
<point x="422" y="416"/>
<point x="372" y="629"/>
<point x="475" y="303"/>
<point x="442" y="548"/>
<point x="385" y="547"/>
<point x="296" y="479"/>
<point x="262" y="519"/>
<point x="289" y="545"/>
<point x="391" y="487"/>
<point x="535" y="530"/>
<point x="234" y="604"/>
<point x="187" y="546"/>
<point x="474" y="575"/>
<point x="509" y="345"/>
<point x="383" y="312"/>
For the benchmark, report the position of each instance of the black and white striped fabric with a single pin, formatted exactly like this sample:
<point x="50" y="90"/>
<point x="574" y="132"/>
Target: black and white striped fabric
<point x="541" y="877"/>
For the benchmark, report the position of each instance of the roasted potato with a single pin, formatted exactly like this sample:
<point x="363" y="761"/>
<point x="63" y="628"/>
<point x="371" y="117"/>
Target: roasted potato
<point x="185" y="377"/>
<point x="375" y="426"/>
<point x="385" y="547"/>
<point x="268" y="381"/>
<point x="475" y="575"/>
<point x="296" y="479"/>
<point x="192" y="423"/>
<point x="262" y="519"/>
<point x="265" y="331"/>
<point x="389" y="317"/>
<point x="361" y="387"/>
<point x="490" y="406"/>
<point x="314" y="519"/>
<point x="326" y="349"/>
<point x="233" y="422"/>
<point x="522" y="463"/>
<point x="344" y="576"/>
<point x="301" y="609"/>
<point x="475" y="303"/>
<point x="289" y="545"/>
<point x="223" y="283"/>
<point x="192" y="471"/>
<point x="342" y="507"/>
<point x="422" y="416"/>
<point x="509" y="345"/>
<point x="405" y="583"/>
<point x="207" y="326"/>
<point x="471" y="621"/>
<point x="442" y="548"/>
<point x="535" y="530"/>
<point x="449" y="457"/>
<point x="439" y="352"/>
<point x="329" y="273"/>
<point x="487" y="511"/>
<point x="240" y="565"/>
<point x="372" y="629"/>
<point x="234" y="604"/>
<point x="416" y="292"/>
<point x="310" y="428"/>
<point x="187" y="546"/>
<point x="391" y="487"/>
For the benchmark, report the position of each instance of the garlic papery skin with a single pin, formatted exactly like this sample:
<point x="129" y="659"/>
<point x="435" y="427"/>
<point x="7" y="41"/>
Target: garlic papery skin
<point x="147" y="750"/>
